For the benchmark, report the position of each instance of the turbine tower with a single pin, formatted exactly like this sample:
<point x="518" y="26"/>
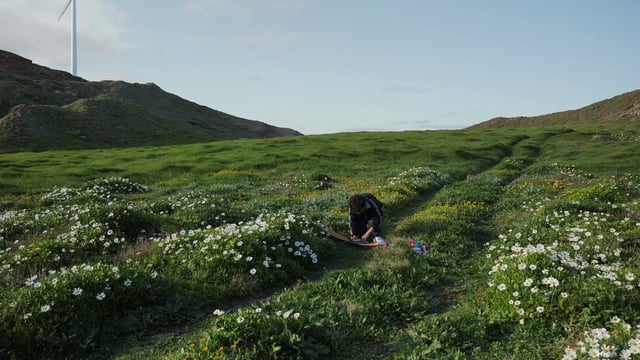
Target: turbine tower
<point x="74" y="41"/>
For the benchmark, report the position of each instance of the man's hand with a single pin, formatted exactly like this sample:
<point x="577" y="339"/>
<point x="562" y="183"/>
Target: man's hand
<point x="368" y="234"/>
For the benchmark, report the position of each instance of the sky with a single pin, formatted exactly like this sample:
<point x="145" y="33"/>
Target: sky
<point x="330" y="66"/>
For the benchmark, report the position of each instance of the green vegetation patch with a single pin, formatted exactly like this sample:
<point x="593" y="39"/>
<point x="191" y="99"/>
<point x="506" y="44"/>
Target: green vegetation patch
<point x="216" y="250"/>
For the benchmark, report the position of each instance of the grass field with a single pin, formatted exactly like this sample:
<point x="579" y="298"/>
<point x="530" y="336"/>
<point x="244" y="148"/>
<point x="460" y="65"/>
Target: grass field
<point x="215" y="250"/>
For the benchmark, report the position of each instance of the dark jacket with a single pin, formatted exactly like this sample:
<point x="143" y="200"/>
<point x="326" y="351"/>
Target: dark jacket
<point x="359" y="223"/>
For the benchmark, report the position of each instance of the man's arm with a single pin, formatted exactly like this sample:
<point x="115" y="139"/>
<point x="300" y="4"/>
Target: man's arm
<point x="368" y="233"/>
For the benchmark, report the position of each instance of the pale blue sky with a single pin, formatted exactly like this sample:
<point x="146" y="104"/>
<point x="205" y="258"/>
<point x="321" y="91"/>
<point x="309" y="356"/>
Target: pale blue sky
<point x="327" y="66"/>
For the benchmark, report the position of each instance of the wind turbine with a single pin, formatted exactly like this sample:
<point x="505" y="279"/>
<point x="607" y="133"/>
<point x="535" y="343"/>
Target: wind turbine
<point x="74" y="41"/>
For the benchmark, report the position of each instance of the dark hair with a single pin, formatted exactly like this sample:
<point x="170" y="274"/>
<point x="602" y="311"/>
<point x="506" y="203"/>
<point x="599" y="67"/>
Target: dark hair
<point x="357" y="204"/>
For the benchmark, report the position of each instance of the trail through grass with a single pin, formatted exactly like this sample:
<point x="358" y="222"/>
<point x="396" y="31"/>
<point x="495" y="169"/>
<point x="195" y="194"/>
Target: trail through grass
<point x="437" y="296"/>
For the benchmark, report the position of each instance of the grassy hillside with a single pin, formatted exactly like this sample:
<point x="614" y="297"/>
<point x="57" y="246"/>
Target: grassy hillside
<point x="623" y="109"/>
<point x="216" y="250"/>
<point x="43" y="109"/>
<point x="338" y="155"/>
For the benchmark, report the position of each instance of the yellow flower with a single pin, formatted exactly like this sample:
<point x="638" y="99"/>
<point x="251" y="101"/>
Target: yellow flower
<point x="203" y="339"/>
<point x="234" y="346"/>
<point x="192" y="345"/>
<point x="205" y="349"/>
<point x="227" y="172"/>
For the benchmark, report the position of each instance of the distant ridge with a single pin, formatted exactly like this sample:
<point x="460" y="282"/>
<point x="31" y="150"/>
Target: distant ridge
<point x="624" y="108"/>
<point x="45" y="109"/>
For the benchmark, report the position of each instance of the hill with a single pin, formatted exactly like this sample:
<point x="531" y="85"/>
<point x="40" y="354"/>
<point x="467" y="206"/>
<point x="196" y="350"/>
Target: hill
<point x="620" y="109"/>
<point x="45" y="109"/>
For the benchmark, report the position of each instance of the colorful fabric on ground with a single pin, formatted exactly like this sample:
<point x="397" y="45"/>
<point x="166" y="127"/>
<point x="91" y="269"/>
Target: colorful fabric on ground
<point x="419" y="247"/>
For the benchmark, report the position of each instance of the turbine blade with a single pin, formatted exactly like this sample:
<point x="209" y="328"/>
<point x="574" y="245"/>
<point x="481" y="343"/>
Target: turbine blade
<point x="65" y="9"/>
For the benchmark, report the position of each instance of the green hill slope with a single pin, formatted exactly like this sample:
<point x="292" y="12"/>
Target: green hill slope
<point x="621" y="109"/>
<point x="45" y="109"/>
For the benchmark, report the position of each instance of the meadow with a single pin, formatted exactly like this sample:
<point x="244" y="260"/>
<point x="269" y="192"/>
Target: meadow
<point x="216" y="250"/>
